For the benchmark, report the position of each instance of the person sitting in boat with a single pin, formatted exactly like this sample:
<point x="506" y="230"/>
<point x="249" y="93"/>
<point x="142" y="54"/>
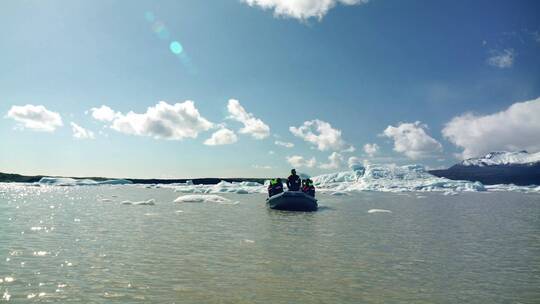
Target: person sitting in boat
<point x="275" y="187"/>
<point x="308" y="187"/>
<point x="293" y="182"/>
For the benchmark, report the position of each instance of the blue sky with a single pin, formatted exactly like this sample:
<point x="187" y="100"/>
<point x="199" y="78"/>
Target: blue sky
<point x="425" y="82"/>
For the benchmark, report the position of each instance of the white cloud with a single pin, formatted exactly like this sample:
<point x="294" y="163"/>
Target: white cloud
<point x="299" y="161"/>
<point x="321" y="134"/>
<point x="284" y="144"/>
<point x="301" y="9"/>
<point x="536" y="36"/>
<point x="222" y="136"/>
<point x="516" y="128"/>
<point x="334" y="161"/>
<point x="162" y="121"/>
<point x="271" y="152"/>
<point x="262" y="167"/>
<point x="253" y="126"/>
<point x="80" y="132"/>
<point x="412" y="140"/>
<point x="36" y="118"/>
<point x="103" y="113"/>
<point x="502" y="59"/>
<point x="371" y="149"/>
<point x="350" y="149"/>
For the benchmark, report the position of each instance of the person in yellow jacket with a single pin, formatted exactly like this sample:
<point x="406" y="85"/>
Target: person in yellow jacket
<point x="275" y="187"/>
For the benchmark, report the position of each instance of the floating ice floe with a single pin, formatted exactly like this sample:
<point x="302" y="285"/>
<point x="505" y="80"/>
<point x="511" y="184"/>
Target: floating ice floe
<point x="513" y="188"/>
<point x="339" y="193"/>
<point x="66" y="181"/>
<point x="222" y="187"/>
<point x="6" y="296"/>
<point x="150" y="202"/>
<point x="9" y="279"/>
<point x="379" y="211"/>
<point x="202" y="198"/>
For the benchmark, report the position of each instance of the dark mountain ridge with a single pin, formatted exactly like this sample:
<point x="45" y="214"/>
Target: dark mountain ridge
<point x="518" y="168"/>
<point x="17" y="178"/>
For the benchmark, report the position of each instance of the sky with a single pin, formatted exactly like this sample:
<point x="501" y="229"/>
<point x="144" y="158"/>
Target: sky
<point x="253" y="88"/>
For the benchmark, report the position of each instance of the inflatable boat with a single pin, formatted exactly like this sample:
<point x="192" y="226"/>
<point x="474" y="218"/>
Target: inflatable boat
<point x="292" y="201"/>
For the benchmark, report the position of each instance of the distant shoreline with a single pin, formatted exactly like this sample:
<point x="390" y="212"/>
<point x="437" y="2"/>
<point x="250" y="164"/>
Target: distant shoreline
<point x="17" y="178"/>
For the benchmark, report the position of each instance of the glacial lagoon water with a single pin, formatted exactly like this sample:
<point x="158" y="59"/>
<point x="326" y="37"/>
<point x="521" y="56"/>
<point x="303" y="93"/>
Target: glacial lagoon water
<point x="87" y="244"/>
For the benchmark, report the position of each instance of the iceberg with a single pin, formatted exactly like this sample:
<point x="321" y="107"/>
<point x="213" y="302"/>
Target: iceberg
<point x="66" y="181"/>
<point x="391" y="178"/>
<point x="383" y="178"/>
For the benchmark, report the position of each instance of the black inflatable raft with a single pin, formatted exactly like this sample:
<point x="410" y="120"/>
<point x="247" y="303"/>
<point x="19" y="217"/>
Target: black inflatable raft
<point x="292" y="201"/>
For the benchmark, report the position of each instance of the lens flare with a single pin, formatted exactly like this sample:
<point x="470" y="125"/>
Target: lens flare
<point x="162" y="32"/>
<point x="149" y="16"/>
<point x="158" y="27"/>
<point x="176" y="47"/>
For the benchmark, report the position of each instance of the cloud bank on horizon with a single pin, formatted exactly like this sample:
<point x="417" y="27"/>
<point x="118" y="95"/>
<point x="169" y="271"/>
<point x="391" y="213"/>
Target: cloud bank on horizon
<point x="515" y="128"/>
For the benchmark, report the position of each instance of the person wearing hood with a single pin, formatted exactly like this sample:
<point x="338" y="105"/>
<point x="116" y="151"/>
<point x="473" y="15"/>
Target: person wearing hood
<point x="308" y="187"/>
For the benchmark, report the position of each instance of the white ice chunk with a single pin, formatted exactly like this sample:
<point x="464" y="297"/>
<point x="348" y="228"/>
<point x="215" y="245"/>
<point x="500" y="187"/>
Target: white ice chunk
<point x="379" y="211"/>
<point x="201" y="198"/>
<point x="150" y="202"/>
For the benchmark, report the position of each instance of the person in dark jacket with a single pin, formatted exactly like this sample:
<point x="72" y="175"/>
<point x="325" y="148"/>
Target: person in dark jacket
<point x="308" y="187"/>
<point x="293" y="182"/>
<point x="275" y="187"/>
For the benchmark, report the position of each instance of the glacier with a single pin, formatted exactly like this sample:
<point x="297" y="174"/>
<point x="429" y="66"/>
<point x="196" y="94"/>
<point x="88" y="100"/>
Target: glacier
<point x="503" y="158"/>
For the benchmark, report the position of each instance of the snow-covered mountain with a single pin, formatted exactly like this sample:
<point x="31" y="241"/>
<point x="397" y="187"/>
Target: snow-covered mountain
<point x="503" y="158"/>
<point x="520" y="168"/>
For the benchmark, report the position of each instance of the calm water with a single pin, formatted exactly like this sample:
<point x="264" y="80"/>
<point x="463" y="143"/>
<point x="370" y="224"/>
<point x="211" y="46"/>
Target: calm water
<point x="79" y="244"/>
